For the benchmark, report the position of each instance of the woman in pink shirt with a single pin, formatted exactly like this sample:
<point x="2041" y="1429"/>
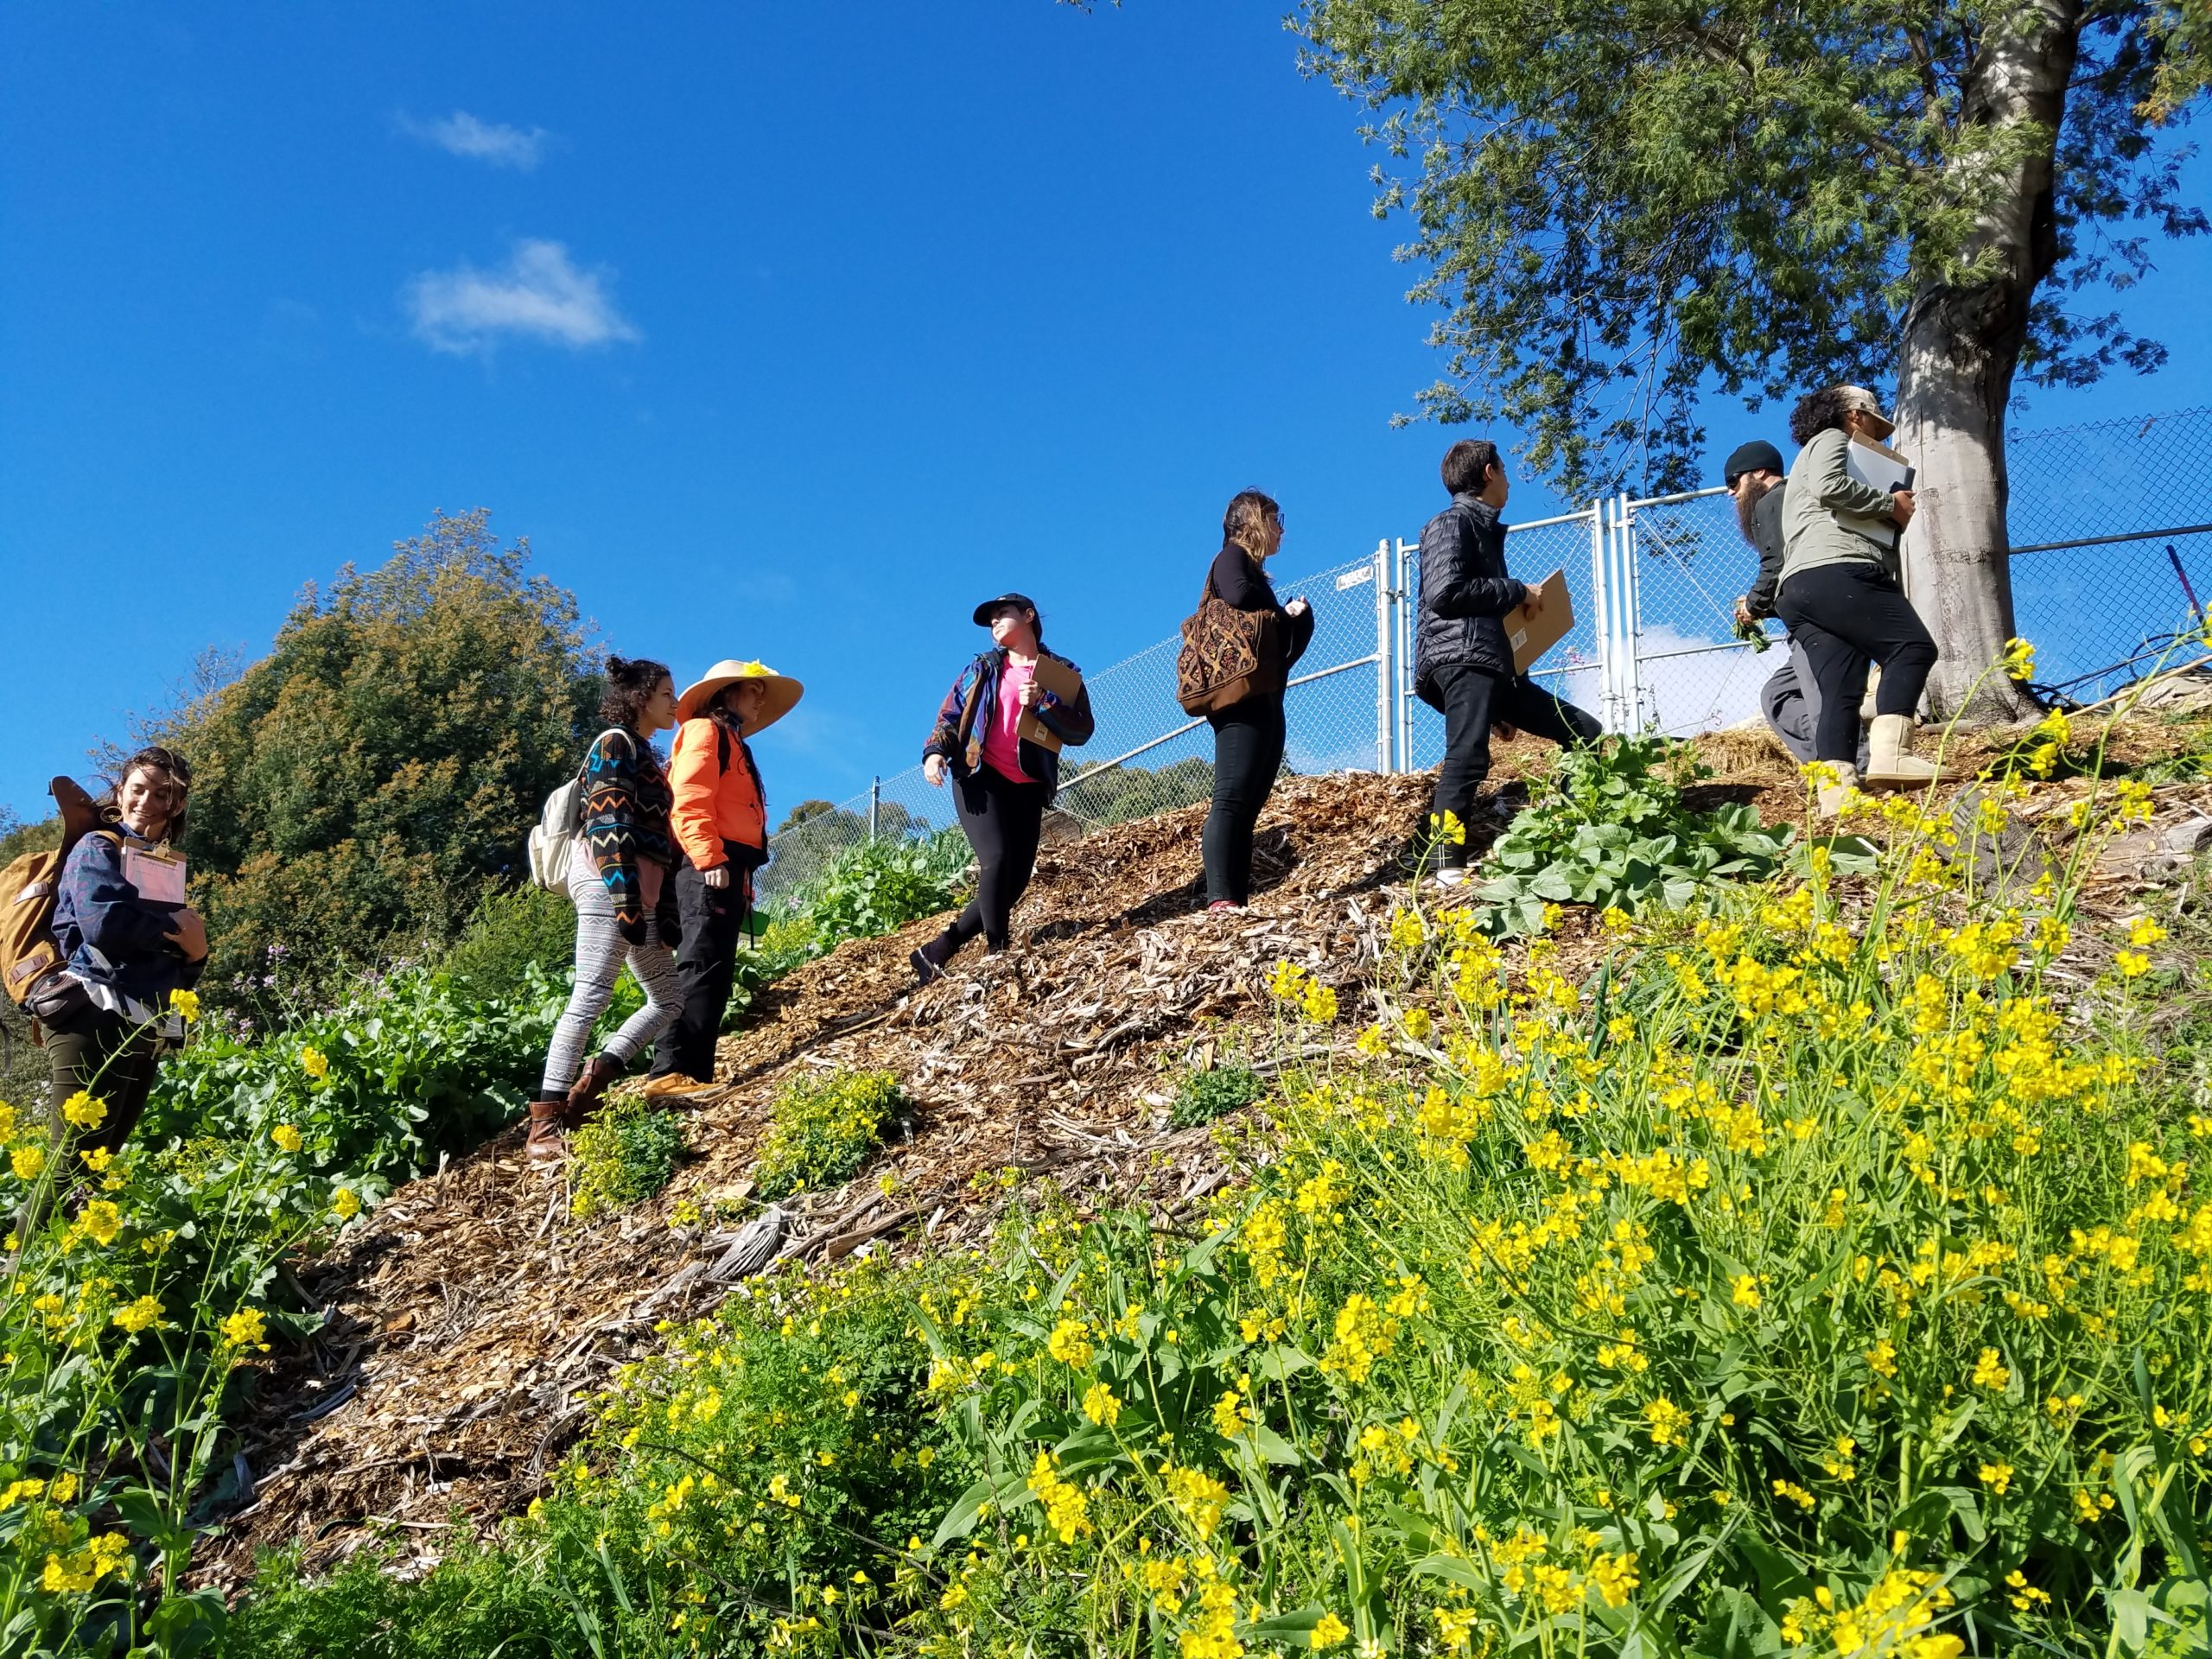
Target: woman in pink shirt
<point x="1002" y="780"/>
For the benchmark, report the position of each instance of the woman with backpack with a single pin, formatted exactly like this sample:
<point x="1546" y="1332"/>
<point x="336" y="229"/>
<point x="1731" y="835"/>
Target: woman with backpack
<point x="127" y="940"/>
<point x="1249" y="734"/>
<point x="1003" y="778"/>
<point x="721" y="820"/>
<point x="626" y="905"/>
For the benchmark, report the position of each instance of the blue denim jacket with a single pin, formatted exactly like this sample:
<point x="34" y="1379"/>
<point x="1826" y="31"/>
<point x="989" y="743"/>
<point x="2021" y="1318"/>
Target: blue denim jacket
<point x="111" y="937"/>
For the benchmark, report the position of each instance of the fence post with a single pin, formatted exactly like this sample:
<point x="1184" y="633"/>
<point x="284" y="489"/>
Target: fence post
<point x="1631" y="615"/>
<point x="874" y="802"/>
<point x="1409" y="616"/>
<point x="1386" y="705"/>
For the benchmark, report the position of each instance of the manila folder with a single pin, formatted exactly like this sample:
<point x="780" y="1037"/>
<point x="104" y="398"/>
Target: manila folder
<point x="1532" y="633"/>
<point x="1063" y="682"/>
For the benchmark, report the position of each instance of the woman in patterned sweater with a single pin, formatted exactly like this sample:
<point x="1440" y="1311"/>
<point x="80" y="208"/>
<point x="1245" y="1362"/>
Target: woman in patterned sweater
<point x="626" y="905"/>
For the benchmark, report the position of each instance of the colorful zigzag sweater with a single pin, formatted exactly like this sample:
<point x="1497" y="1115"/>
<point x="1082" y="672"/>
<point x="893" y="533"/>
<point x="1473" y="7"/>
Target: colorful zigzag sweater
<point x="626" y="801"/>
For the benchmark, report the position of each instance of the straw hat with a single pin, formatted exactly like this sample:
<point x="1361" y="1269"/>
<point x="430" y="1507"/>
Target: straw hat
<point x="782" y="694"/>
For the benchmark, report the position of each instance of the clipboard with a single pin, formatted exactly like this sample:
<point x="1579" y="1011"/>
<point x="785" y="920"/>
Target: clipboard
<point x="1531" y="635"/>
<point x="1883" y="468"/>
<point x="159" y="879"/>
<point x="1062" y="681"/>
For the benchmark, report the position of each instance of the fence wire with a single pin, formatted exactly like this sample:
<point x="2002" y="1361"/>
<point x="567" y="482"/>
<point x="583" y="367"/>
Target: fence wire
<point x="2112" y="536"/>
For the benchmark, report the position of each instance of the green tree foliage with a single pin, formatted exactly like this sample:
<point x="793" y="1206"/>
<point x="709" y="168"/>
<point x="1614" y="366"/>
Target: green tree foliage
<point x="1119" y="794"/>
<point x="1619" y="207"/>
<point x="361" y="787"/>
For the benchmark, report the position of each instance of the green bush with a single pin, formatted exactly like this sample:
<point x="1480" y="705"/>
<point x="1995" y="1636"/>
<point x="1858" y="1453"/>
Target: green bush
<point x="513" y="931"/>
<point x="821" y="1133"/>
<point x="878" y="886"/>
<point x="1203" y="1096"/>
<point x="1608" y="826"/>
<point x="625" y="1154"/>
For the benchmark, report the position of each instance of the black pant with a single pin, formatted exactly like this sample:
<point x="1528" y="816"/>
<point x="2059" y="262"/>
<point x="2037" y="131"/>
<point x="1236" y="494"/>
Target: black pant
<point x="1003" y="820"/>
<point x="1845" y="615"/>
<point x="113" y="1059"/>
<point x="1248" y="742"/>
<point x="713" y="920"/>
<point x="1472" y="700"/>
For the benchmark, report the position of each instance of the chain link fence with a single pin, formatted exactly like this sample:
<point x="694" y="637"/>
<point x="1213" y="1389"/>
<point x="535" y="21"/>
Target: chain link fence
<point x="2112" y="549"/>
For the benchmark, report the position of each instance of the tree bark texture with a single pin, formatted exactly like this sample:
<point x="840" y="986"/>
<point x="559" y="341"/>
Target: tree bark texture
<point x="1960" y="345"/>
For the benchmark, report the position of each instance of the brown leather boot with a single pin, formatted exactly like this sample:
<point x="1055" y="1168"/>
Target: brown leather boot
<point x="601" y="1071"/>
<point x="546" y="1144"/>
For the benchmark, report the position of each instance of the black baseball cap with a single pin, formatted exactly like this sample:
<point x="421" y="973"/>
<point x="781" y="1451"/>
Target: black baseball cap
<point x="1757" y="456"/>
<point x="990" y="606"/>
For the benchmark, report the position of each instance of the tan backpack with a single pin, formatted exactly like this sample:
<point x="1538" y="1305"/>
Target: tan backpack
<point x="30" y="958"/>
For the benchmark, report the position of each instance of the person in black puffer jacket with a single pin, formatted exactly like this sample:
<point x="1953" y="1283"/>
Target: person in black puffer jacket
<point x="1463" y="666"/>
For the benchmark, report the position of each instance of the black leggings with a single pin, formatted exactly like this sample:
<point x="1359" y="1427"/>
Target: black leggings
<point x="1843" y="616"/>
<point x="1003" y="820"/>
<point x="706" y="969"/>
<point x="1471" y="700"/>
<point x="1248" y="742"/>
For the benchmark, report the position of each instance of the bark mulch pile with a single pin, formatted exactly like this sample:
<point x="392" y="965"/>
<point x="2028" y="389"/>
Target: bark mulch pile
<point x="470" y="1320"/>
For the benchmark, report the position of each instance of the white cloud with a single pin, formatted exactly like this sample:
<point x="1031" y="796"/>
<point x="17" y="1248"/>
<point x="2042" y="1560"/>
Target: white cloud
<point x="539" y="293"/>
<point x="463" y="134"/>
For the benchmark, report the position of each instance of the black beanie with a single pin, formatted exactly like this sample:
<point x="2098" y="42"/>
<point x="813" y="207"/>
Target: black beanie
<point x="1758" y="455"/>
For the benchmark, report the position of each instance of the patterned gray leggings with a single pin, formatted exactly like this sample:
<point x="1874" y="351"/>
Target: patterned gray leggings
<point x="600" y="953"/>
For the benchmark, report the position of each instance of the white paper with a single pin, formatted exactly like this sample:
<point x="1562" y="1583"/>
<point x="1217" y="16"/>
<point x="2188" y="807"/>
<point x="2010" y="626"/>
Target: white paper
<point x="159" y="881"/>
<point x="1887" y="471"/>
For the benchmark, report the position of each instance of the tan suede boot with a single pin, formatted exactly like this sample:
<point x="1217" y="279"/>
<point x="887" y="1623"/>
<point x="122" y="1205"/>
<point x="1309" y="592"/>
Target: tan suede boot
<point x="1831" y="796"/>
<point x="546" y="1144"/>
<point x="1889" y="761"/>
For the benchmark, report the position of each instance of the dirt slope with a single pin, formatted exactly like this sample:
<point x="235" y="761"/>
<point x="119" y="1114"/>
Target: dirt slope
<point x="471" y="1320"/>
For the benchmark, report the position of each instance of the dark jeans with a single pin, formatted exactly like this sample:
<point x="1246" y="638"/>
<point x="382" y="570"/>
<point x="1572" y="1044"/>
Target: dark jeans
<point x="113" y="1059"/>
<point x="1003" y="820"/>
<point x="1471" y="700"/>
<point x="1845" y="616"/>
<point x="1248" y="743"/>
<point x="706" y="966"/>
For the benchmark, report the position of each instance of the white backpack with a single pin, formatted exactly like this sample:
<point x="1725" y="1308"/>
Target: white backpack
<point x="560" y="826"/>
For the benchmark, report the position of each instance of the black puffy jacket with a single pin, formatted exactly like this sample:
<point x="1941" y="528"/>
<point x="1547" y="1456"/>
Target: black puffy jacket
<point x="1465" y="591"/>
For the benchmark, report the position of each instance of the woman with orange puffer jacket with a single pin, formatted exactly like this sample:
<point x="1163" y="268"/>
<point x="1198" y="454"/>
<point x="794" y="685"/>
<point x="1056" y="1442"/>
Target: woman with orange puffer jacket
<point x="720" y="821"/>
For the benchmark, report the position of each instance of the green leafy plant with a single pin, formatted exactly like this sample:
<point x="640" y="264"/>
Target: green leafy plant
<point x="878" y="886"/>
<point x="1203" y="1096"/>
<point x="821" y="1133"/>
<point x="1608" y="826"/>
<point x="625" y="1154"/>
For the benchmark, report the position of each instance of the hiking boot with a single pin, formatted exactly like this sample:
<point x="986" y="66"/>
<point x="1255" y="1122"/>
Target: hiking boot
<point x="547" y="1145"/>
<point x="601" y="1070"/>
<point x="674" y="1085"/>
<point x="1889" y="761"/>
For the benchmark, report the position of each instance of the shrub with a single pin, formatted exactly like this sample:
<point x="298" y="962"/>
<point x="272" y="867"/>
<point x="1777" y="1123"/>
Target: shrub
<point x="513" y="931"/>
<point x="821" y="1133"/>
<point x="1608" y="826"/>
<point x="625" y="1154"/>
<point x="878" y="886"/>
<point x="1203" y="1096"/>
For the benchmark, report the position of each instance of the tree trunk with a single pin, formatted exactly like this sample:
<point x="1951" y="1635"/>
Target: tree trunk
<point x="1960" y="345"/>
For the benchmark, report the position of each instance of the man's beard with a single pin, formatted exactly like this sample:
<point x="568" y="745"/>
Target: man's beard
<point x="1747" y="503"/>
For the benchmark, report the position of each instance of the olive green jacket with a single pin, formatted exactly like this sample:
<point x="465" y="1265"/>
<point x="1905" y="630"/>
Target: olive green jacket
<point x="1829" y="517"/>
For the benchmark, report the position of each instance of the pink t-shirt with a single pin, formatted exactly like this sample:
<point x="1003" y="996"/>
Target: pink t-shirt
<point x="1003" y="744"/>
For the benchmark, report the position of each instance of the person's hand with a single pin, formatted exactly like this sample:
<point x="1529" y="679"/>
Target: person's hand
<point x="190" y="934"/>
<point x="1533" y="598"/>
<point x="1743" y="617"/>
<point x="1900" y="507"/>
<point x="717" y="878"/>
<point x="1030" y="694"/>
<point x="1297" y="607"/>
<point x="933" y="769"/>
<point x="650" y="876"/>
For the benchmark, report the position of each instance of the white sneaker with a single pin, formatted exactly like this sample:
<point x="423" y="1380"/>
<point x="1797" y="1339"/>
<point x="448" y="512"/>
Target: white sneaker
<point x="1451" y="875"/>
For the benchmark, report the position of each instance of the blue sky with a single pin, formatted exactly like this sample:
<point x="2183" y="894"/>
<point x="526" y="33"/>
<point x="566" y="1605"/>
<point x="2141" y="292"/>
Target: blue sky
<point x="780" y="331"/>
